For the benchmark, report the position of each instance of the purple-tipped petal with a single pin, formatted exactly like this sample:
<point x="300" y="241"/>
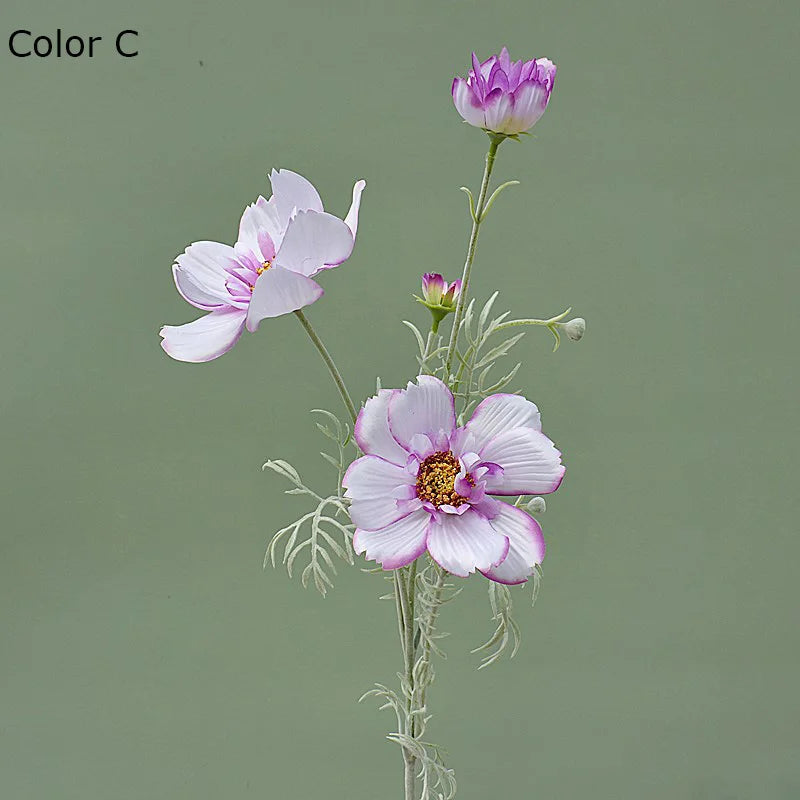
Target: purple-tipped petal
<point x="372" y="429"/>
<point x="426" y="407"/>
<point x="372" y="515"/>
<point x="200" y="274"/>
<point x="467" y="103"/>
<point x="499" y="413"/>
<point x="531" y="464"/>
<point x="530" y="102"/>
<point x="498" y="79"/>
<point x="462" y="543"/>
<point x="258" y="231"/>
<point x="504" y="60"/>
<point x="371" y="478"/>
<point x="314" y="240"/>
<point x="279" y="291"/>
<point x="292" y="192"/>
<point x="499" y="112"/>
<point x="351" y="220"/>
<point x="204" y="339"/>
<point x="526" y="545"/>
<point x="397" y="544"/>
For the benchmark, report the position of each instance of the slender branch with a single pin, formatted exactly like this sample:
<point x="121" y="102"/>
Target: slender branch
<point x="477" y="218"/>
<point x="329" y="363"/>
<point x="407" y="593"/>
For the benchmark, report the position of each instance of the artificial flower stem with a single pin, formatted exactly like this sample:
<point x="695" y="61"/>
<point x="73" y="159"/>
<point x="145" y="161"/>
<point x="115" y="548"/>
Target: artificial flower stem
<point x="330" y="364"/>
<point x="477" y="218"/>
<point x="407" y="594"/>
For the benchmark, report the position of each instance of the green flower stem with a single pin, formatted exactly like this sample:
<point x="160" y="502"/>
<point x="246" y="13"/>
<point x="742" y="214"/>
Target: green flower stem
<point x="514" y="323"/>
<point x="405" y="583"/>
<point x="441" y="577"/>
<point x="330" y="364"/>
<point x="477" y="218"/>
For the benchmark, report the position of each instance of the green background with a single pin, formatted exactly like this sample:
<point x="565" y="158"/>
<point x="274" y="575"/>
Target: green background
<point x="143" y="651"/>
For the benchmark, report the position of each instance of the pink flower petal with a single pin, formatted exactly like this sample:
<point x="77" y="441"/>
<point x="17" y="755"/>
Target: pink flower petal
<point x="426" y="408"/>
<point x="463" y="543"/>
<point x="499" y="112"/>
<point x="351" y="220"/>
<point x="397" y="544"/>
<point x="370" y="478"/>
<point x="530" y="101"/>
<point x="377" y="513"/>
<point x="204" y="339"/>
<point x="200" y="274"/>
<point x="279" y="291"/>
<point x="372" y="429"/>
<point x="314" y="240"/>
<point x="292" y="192"/>
<point x="259" y="232"/>
<point x="531" y="464"/>
<point x="467" y="103"/>
<point x="526" y="545"/>
<point x="499" y="413"/>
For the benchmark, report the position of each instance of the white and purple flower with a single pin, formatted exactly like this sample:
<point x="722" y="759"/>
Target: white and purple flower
<point x="504" y="96"/>
<point x="283" y="242"/>
<point x="426" y="484"/>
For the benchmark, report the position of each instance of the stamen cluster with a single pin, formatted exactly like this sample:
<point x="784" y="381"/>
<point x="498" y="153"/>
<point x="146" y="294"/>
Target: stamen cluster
<point x="436" y="480"/>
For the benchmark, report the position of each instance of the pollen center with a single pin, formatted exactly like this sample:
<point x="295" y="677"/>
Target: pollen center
<point x="265" y="265"/>
<point x="436" y="480"/>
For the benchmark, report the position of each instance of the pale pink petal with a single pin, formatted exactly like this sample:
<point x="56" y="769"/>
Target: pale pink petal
<point x="426" y="407"/>
<point x="467" y="103"/>
<point x="351" y="220"/>
<point x="463" y="543"/>
<point x="370" y="478"/>
<point x="530" y="101"/>
<point x="526" y="545"/>
<point x="200" y="274"/>
<point x="397" y="544"/>
<point x="292" y="192"/>
<point x="531" y="464"/>
<point x="314" y="240"/>
<point x="376" y="513"/>
<point x="499" y="413"/>
<point x="258" y="231"/>
<point x="204" y="339"/>
<point x="279" y="291"/>
<point x="372" y="429"/>
<point x="499" y="112"/>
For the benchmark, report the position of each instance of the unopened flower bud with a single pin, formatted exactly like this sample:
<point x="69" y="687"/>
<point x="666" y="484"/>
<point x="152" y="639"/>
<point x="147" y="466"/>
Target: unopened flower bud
<point x="575" y="328"/>
<point x="536" y="505"/>
<point x="438" y="296"/>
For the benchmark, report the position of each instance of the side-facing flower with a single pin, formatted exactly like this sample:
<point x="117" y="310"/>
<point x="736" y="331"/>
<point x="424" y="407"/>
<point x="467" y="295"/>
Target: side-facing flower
<point x="438" y="296"/>
<point x="504" y="96"/>
<point x="425" y="483"/>
<point x="283" y="242"/>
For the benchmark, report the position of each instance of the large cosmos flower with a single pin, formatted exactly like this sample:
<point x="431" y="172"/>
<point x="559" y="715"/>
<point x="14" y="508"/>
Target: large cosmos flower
<point x="282" y="243"/>
<point x="427" y="484"/>
<point x="504" y="96"/>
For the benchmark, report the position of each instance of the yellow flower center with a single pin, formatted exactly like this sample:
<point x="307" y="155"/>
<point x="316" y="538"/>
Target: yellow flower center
<point x="260" y="270"/>
<point x="436" y="480"/>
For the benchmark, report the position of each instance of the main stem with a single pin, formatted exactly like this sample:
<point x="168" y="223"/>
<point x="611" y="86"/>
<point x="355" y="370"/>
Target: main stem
<point x="329" y="363"/>
<point x="473" y="242"/>
<point x="407" y="593"/>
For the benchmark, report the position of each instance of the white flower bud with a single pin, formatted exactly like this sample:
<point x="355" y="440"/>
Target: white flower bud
<point x="536" y="505"/>
<point x="575" y="328"/>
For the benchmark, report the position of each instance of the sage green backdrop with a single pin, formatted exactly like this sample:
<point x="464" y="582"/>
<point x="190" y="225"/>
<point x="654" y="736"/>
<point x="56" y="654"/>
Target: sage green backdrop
<point x="144" y="652"/>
